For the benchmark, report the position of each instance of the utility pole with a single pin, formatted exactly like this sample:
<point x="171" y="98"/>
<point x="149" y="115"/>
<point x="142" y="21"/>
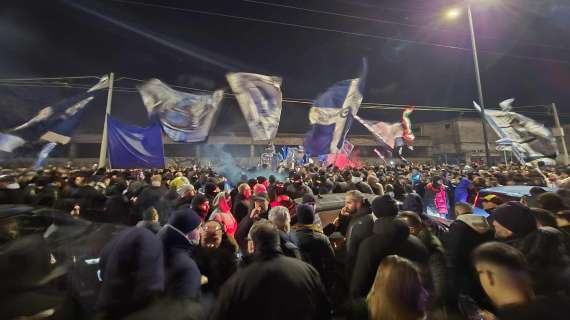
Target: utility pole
<point x="559" y="132"/>
<point x="103" y="150"/>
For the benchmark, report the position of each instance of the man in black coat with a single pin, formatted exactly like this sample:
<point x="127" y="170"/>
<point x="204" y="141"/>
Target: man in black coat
<point x="179" y="237"/>
<point x="132" y="269"/>
<point x="266" y="287"/>
<point x="315" y="247"/>
<point x="390" y="236"/>
<point x="150" y="196"/>
<point x="359" y="228"/>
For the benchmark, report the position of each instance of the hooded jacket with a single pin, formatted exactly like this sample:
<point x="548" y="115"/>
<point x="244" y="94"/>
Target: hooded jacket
<point x="436" y="201"/>
<point x="182" y="273"/>
<point x="465" y="234"/>
<point x="132" y="270"/>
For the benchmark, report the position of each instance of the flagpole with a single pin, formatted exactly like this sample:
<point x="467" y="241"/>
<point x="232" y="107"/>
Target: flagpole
<point x="559" y="132"/>
<point x="103" y="150"/>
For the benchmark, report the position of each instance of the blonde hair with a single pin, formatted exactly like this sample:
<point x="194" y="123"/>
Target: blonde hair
<point x="397" y="292"/>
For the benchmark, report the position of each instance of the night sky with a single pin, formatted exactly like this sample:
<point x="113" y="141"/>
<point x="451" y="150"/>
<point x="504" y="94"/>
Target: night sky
<point x="415" y="56"/>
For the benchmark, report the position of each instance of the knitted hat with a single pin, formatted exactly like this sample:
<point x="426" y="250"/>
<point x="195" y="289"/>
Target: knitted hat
<point x="305" y="214"/>
<point x="184" y="220"/>
<point x="384" y="206"/>
<point x="516" y="217"/>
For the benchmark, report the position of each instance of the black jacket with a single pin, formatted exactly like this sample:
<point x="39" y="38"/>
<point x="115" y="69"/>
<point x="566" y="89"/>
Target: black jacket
<point x="132" y="269"/>
<point x="391" y="237"/>
<point x="316" y="250"/>
<point x="359" y="228"/>
<point x="465" y="234"/>
<point x="182" y="273"/>
<point x="273" y="287"/>
<point x="239" y="209"/>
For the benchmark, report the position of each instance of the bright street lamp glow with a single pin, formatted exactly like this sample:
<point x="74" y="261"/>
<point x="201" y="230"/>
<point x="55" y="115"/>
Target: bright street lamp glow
<point x="453" y="13"/>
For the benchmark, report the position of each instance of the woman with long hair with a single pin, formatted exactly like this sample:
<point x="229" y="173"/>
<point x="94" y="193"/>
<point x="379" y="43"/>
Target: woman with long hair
<point x="397" y="292"/>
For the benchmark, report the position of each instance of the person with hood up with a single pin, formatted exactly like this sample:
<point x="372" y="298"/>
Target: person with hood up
<point x="436" y="202"/>
<point x="179" y="238"/>
<point x="222" y="213"/>
<point x="132" y="273"/>
<point x="201" y="205"/>
<point x="314" y="246"/>
<point x="242" y="201"/>
<point x="465" y="234"/>
<point x="390" y="236"/>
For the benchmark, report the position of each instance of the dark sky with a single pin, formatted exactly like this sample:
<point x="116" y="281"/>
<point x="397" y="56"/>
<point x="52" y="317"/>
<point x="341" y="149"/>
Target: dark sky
<point x="415" y="56"/>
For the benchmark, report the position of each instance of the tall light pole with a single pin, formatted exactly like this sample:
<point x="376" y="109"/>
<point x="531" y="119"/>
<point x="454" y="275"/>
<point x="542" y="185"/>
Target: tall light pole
<point x="452" y="14"/>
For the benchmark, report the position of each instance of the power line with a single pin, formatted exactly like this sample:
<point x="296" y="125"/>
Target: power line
<point x="305" y="102"/>
<point x="384" y="21"/>
<point x="350" y="33"/>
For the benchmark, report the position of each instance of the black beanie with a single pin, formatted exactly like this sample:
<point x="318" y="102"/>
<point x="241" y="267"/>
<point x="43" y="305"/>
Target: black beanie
<point x="516" y="217"/>
<point x="384" y="206"/>
<point x="305" y="214"/>
<point x="184" y="220"/>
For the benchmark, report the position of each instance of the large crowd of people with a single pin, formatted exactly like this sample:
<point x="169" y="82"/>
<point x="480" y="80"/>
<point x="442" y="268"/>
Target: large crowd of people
<point x="407" y="244"/>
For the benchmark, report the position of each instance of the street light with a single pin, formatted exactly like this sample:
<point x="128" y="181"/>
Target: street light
<point x="454" y="13"/>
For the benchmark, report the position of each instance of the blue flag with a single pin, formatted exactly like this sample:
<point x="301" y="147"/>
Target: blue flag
<point x="135" y="147"/>
<point x="332" y="113"/>
<point x="52" y="123"/>
<point x="185" y="117"/>
<point x="260" y="100"/>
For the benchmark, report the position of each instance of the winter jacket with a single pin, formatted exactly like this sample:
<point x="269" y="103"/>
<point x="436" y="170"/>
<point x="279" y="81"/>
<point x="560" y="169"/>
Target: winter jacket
<point x="132" y="269"/>
<point x="436" y="201"/>
<point x="273" y="287"/>
<point x="149" y="197"/>
<point x="390" y="236"/>
<point x="359" y="228"/>
<point x="465" y="234"/>
<point x="182" y="273"/>
<point x="462" y="190"/>
<point x="218" y="265"/>
<point x="240" y="207"/>
<point x="438" y="283"/>
<point x="316" y="250"/>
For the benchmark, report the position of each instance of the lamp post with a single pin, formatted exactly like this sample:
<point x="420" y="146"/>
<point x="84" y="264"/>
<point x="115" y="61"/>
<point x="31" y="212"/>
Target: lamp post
<point x="453" y="14"/>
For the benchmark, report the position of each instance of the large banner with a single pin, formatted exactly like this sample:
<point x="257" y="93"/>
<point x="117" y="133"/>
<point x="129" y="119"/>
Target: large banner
<point x="135" y="147"/>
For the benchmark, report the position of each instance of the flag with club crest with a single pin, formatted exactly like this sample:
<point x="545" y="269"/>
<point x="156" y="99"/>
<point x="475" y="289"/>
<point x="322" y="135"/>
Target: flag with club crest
<point x="332" y="113"/>
<point x="185" y="117"/>
<point x="260" y="100"/>
<point x="527" y="139"/>
<point x="53" y="123"/>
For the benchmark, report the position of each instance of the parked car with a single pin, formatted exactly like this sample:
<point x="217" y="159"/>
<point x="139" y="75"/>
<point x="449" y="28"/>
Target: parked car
<point x="73" y="243"/>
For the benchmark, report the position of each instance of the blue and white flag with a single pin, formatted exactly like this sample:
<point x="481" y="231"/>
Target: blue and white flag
<point x="260" y="100"/>
<point x="52" y="123"/>
<point x="332" y="115"/>
<point x="527" y="139"/>
<point x="44" y="154"/>
<point x="185" y="117"/>
<point x="133" y="147"/>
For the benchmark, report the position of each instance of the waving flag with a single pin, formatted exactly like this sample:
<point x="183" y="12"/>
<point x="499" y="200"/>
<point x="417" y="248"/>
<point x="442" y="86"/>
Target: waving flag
<point x="389" y="134"/>
<point x="52" y="123"/>
<point x="135" y="147"/>
<point x="260" y="100"/>
<point x="529" y="140"/>
<point x="185" y="117"/>
<point x="332" y="114"/>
